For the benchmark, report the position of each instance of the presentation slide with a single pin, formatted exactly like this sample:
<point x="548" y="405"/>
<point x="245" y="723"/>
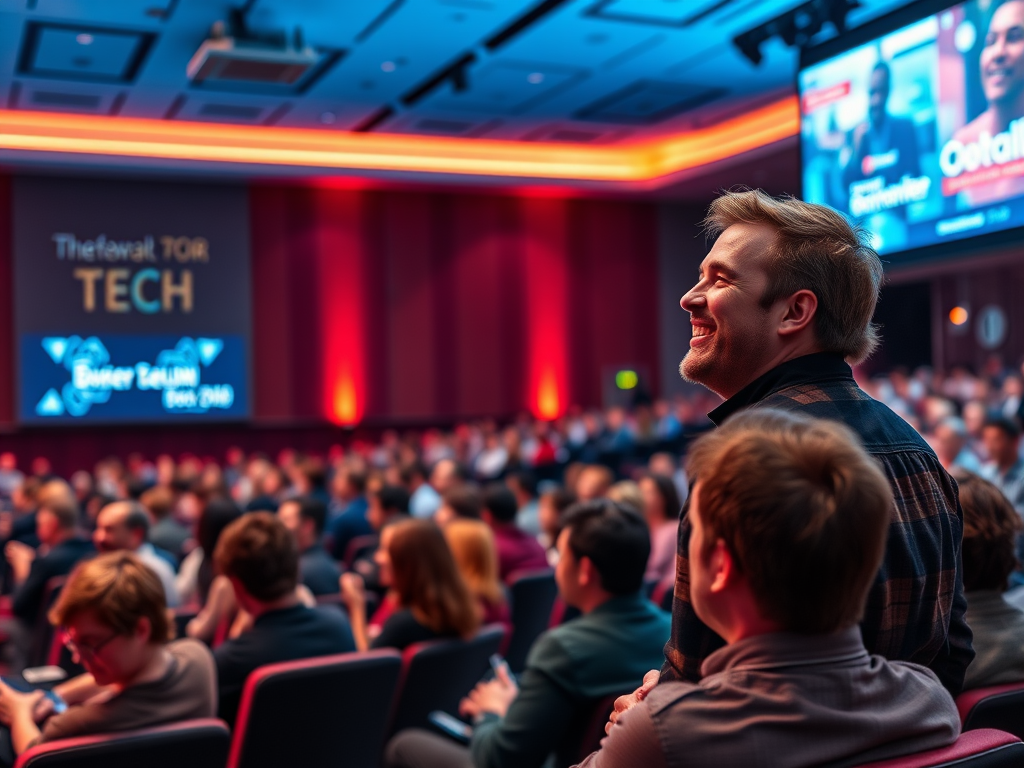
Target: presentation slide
<point x="132" y="301"/>
<point x="918" y="134"/>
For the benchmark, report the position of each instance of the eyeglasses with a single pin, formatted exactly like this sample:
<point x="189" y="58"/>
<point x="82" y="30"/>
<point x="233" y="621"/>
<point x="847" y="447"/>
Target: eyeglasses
<point x="81" y="650"/>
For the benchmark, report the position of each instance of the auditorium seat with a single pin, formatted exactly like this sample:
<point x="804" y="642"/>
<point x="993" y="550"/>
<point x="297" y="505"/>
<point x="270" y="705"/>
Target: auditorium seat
<point x="589" y="732"/>
<point x="314" y="712"/>
<point x="437" y="674"/>
<point x="188" y="744"/>
<point x="983" y="748"/>
<point x="995" y="706"/>
<point x="532" y="594"/>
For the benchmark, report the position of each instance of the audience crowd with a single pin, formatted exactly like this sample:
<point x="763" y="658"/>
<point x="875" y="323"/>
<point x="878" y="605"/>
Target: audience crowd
<point x="831" y="586"/>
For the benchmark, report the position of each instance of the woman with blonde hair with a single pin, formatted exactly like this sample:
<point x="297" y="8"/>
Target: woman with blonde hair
<point x="472" y="545"/>
<point x="432" y="600"/>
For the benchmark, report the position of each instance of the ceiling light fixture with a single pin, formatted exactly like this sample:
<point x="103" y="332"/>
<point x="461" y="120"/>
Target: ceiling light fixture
<point x="648" y="164"/>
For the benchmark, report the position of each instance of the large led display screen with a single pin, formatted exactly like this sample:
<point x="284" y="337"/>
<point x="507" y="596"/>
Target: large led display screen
<point x="132" y="301"/>
<point x="918" y="134"/>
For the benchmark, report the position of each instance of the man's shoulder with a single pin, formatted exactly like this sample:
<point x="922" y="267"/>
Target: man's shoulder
<point x="598" y="634"/>
<point x="880" y="428"/>
<point x="194" y="656"/>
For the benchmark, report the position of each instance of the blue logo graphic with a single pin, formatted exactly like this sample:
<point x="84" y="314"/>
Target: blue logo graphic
<point x="176" y="375"/>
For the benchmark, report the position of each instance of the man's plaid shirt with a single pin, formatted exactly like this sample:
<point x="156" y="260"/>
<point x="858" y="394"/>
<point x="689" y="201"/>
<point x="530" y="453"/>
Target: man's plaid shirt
<point x="915" y="609"/>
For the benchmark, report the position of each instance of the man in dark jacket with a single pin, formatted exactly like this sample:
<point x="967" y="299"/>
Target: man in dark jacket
<point x="783" y="305"/>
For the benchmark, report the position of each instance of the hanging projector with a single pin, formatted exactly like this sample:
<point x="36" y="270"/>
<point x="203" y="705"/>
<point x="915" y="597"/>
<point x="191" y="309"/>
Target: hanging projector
<point x="233" y="60"/>
<point x="244" y="58"/>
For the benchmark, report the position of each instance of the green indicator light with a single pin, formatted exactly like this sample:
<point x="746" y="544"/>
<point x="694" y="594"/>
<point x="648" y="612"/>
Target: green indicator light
<point x="626" y="379"/>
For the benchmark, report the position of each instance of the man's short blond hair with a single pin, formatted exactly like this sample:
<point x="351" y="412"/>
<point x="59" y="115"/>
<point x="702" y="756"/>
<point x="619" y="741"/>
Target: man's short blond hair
<point x="802" y="509"/>
<point x="815" y="249"/>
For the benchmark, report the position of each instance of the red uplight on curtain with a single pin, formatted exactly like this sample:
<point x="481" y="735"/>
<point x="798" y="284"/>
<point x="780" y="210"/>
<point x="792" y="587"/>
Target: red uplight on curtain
<point x="547" y="326"/>
<point x="340" y="245"/>
<point x="346" y="404"/>
<point x="549" y="404"/>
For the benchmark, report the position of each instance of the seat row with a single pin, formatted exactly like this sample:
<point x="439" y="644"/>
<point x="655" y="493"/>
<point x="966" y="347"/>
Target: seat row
<point x="338" y="711"/>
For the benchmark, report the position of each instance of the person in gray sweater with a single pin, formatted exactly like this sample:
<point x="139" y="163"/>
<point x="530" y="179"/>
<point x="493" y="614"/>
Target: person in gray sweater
<point x="789" y="518"/>
<point x="991" y="528"/>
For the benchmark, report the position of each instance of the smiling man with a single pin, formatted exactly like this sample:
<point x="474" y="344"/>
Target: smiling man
<point x="1001" y="72"/>
<point x="782" y="308"/>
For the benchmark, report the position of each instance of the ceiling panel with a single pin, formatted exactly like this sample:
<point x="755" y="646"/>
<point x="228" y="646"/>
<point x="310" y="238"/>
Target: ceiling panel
<point x="575" y="71"/>
<point x="82" y="52"/>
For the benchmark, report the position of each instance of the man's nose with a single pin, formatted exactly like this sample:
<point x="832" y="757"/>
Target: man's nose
<point x="692" y="298"/>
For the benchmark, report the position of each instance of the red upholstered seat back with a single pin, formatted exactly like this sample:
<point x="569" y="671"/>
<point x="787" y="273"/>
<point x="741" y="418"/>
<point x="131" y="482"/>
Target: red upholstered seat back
<point x="983" y="748"/>
<point x="189" y="744"/>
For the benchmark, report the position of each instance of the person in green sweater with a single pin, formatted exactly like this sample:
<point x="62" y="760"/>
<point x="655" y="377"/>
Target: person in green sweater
<point x="603" y="553"/>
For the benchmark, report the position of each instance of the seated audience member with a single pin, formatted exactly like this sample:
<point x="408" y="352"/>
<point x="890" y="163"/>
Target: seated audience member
<point x="423" y="500"/>
<point x="24" y="503"/>
<point x="431" y="599"/>
<point x="517" y="550"/>
<point x="472" y="545"/>
<point x="270" y="486"/>
<point x="124" y="525"/>
<point x="524" y="486"/>
<point x="445" y="475"/>
<point x="991" y="527"/>
<point x="31" y="570"/>
<point x="950" y="443"/>
<point x="305" y="518"/>
<point x="114" y="621"/>
<point x="661" y="511"/>
<point x="551" y="509"/>
<point x="463" y="500"/>
<point x="388" y="504"/>
<point x="593" y="482"/>
<point x="260" y="558"/>
<point x="627" y="492"/>
<point x="604" y="551"/>
<point x="348" y="514"/>
<point x="197" y="580"/>
<point x="165" y="532"/>
<point x="1001" y="437"/>
<point x="197" y="572"/>
<point x="789" y="519"/>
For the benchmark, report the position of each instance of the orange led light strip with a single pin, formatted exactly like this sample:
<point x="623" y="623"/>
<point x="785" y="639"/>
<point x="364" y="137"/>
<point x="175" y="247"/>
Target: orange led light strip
<point x="304" y="148"/>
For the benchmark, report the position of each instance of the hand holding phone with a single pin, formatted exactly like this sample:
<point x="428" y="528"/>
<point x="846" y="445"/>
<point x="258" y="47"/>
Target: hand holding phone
<point x="451" y="726"/>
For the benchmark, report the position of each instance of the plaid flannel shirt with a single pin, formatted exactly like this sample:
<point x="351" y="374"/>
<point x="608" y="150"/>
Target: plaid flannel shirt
<point x="915" y="609"/>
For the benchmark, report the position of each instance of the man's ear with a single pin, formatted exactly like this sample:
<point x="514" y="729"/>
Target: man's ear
<point x="722" y="567"/>
<point x="487" y="517"/>
<point x="144" y="630"/>
<point x="587" y="573"/>
<point x="799" y="311"/>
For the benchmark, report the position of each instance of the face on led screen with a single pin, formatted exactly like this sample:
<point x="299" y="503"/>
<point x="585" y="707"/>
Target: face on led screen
<point x="919" y="135"/>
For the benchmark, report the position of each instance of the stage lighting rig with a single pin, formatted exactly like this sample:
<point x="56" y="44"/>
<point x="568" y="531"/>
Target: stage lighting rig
<point x="795" y="27"/>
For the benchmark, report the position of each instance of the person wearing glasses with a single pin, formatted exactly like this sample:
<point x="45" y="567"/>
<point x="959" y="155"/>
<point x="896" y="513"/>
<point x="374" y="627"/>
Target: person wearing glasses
<point x="112" y="616"/>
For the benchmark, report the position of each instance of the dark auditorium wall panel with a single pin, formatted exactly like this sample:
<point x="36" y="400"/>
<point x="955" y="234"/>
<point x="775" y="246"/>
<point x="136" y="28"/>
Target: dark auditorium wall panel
<point x="613" y="274"/>
<point x="422" y="305"/>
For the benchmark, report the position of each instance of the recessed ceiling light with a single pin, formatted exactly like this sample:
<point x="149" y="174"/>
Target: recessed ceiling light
<point x="84" y="39"/>
<point x="328" y="118"/>
<point x="535" y="77"/>
<point x="388" y="66"/>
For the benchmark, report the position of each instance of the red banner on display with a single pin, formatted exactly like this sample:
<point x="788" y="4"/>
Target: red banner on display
<point x="816" y="99"/>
